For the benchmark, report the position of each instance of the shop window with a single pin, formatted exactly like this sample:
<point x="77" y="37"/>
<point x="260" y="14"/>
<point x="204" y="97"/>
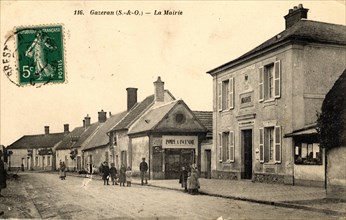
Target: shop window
<point x="270" y="144"/>
<point x="115" y="140"/>
<point x="226" y="146"/>
<point x="308" y="154"/>
<point x="226" y="94"/>
<point x="270" y="81"/>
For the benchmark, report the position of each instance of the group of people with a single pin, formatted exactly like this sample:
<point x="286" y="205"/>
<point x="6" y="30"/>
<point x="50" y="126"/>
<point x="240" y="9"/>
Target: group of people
<point x="125" y="174"/>
<point x="189" y="179"/>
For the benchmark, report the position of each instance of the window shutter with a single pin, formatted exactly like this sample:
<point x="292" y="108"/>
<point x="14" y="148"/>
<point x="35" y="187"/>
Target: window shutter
<point x="277" y="144"/>
<point x="261" y="83"/>
<point x="277" y="79"/>
<point x="231" y="146"/>
<point x="231" y="93"/>
<point x="261" y="145"/>
<point x="219" y="95"/>
<point x="220" y="147"/>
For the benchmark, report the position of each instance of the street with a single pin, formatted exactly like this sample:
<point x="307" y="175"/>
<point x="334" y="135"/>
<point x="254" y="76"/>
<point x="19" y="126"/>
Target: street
<point x="44" y="195"/>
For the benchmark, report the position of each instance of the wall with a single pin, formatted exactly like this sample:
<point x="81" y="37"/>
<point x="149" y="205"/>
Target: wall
<point x="15" y="161"/>
<point x="123" y="143"/>
<point x="60" y="156"/>
<point x="310" y="175"/>
<point x="336" y="175"/>
<point x="140" y="149"/>
<point x="98" y="157"/>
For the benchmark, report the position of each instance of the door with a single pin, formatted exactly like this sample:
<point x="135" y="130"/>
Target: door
<point x="247" y="146"/>
<point x="208" y="163"/>
<point x="175" y="159"/>
<point x="43" y="162"/>
<point x="79" y="163"/>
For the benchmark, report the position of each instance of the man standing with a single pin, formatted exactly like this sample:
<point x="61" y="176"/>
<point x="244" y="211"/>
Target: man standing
<point x="143" y="167"/>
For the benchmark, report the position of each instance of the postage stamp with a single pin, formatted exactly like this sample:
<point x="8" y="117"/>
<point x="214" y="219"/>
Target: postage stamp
<point x="40" y="54"/>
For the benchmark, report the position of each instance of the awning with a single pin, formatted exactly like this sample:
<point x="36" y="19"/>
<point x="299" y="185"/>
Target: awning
<point x="307" y="131"/>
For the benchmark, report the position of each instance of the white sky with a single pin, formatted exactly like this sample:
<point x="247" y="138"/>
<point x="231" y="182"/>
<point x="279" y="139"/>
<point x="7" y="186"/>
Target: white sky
<point x="107" y="54"/>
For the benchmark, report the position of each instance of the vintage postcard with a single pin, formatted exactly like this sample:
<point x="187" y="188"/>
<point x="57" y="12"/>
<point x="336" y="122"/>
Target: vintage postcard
<point x="172" y="109"/>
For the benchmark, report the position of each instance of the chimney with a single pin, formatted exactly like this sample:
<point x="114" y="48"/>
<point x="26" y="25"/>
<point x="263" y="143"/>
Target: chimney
<point x="131" y="97"/>
<point x="46" y="129"/>
<point x="86" y="121"/>
<point x="102" y="116"/>
<point x="159" y="90"/>
<point x="66" y="128"/>
<point x="296" y="14"/>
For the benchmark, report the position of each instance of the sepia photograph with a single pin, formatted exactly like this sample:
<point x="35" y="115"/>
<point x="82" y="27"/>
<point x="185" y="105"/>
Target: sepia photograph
<point x="173" y="109"/>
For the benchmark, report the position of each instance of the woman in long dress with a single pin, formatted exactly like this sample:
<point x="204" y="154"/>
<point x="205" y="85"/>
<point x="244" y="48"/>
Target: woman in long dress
<point x="62" y="173"/>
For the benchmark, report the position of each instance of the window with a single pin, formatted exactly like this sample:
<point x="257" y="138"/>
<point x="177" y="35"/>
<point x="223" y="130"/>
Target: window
<point x="226" y="94"/>
<point x="308" y="154"/>
<point x="115" y="139"/>
<point x="270" y="144"/>
<point x="107" y="156"/>
<point x="269" y="81"/>
<point x="226" y="146"/>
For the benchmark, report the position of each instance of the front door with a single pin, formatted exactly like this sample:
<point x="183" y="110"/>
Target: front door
<point x="208" y="163"/>
<point x="247" y="146"/>
<point x="175" y="159"/>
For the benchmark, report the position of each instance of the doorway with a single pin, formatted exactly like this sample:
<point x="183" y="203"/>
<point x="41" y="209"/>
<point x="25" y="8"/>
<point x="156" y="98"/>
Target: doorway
<point x="246" y="136"/>
<point x="208" y="164"/>
<point x="175" y="159"/>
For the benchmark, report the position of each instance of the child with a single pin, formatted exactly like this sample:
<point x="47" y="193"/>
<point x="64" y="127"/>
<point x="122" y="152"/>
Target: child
<point x="128" y="176"/>
<point x="113" y="172"/>
<point x="188" y="182"/>
<point x="183" y="178"/>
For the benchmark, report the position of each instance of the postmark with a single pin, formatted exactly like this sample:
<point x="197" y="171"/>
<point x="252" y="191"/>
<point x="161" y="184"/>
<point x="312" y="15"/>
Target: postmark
<point x="35" y="56"/>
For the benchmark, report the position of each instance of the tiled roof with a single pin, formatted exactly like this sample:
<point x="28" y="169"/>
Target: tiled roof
<point x="206" y="118"/>
<point x="77" y="137"/>
<point x="134" y="113"/>
<point x="37" y="141"/>
<point x="152" y="117"/>
<point x="304" y="30"/>
<point x="100" y="137"/>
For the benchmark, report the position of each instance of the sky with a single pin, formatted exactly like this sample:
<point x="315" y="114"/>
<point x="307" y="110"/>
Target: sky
<point x="106" y="54"/>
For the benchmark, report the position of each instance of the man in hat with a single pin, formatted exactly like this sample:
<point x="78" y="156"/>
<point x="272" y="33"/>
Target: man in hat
<point x="143" y="167"/>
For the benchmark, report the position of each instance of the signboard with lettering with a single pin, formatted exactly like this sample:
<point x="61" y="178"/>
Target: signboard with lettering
<point x="246" y="99"/>
<point x="179" y="141"/>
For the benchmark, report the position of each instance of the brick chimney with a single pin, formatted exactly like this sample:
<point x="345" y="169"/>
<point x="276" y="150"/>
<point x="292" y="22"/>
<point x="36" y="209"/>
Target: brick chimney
<point x="296" y="14"/>
<point x="46" y="130"/>
<point x="159" y="90"/>
<point x="86" y="121"/>
<point x="66" y="128"/>
<point x="131" y="97"/>
<point x="102" y="116"/>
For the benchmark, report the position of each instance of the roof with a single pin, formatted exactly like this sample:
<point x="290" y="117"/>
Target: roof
<point x="152" y="117"/>
<point x="134" y="113"/>
<point x="303" y="30"/>
<point x="37" y="141"/>
<point x="206" y="118"/>
<point x="77" y="137"/>
<point x="305" y="131"/>
<point x="100" y="137"/>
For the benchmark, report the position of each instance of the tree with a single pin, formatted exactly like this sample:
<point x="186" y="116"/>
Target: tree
<point x="332" y="120"/>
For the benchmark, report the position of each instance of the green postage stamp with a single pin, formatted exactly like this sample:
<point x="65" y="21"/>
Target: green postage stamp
<point x="40" y="54"/>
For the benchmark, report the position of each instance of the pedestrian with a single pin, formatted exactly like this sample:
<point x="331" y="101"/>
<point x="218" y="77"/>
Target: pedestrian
<point x="128" y="176"/>
<point x="22" y="167"/>
<point x="113" y="172"/>
<point x="105" y="171"/>
<point x="122" y="175"/>
<point x="3" y="175"/>
<point x="183" y="178"/>
<point x="62" y="169"/>
<point x="143" y="167"/>
<point x="193" y="182"/>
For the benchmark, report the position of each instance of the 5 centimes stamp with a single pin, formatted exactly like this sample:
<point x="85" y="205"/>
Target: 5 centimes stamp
<point x="40" y="54"/>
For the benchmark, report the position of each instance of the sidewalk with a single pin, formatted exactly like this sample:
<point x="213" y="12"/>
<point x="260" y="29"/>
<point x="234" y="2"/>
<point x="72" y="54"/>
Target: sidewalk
<point x="299" y="197"/>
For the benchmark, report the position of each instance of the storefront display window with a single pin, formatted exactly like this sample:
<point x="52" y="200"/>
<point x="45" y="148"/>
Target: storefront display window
<point x="308" y="154"/>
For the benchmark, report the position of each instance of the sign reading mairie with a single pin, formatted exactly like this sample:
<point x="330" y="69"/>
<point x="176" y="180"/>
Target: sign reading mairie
<point x="179" y="141"/>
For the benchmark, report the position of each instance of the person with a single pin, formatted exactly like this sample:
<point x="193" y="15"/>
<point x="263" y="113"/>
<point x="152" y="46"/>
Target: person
<point x="193" y="182"/>
<point x="105" y="170"/>
<point x="143" y="167"/>
<point x="183" y="178"/>
<point x="113" y="173"/>
<point x="62" y="171"/>
<point x="122" y="175"/>
<point x="22" y="167"/>
<point x="3" y="175"/>
<point x="128" y="176"/>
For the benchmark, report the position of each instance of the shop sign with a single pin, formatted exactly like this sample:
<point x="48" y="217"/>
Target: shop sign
<point x="179" y="141"/>
<point x="45" y="151"/>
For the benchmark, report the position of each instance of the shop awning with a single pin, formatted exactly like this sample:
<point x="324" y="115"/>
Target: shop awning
<point x="306" y="131"/>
